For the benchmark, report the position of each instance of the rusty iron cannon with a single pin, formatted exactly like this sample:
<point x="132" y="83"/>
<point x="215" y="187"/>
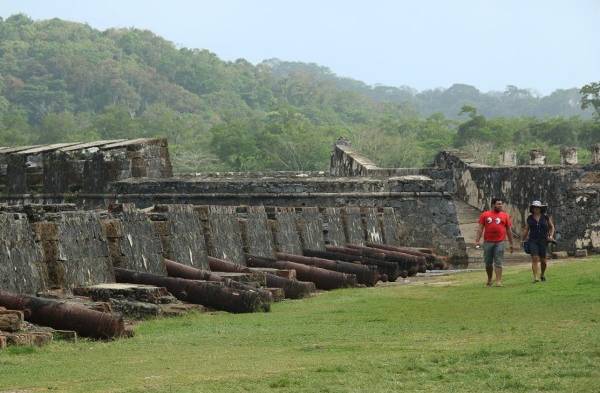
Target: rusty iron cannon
<point x="323" y="279"/>
<point x="365" y="274"/>
<point x="210" y="294"/>
<point x="176" y="269"/>
<point x="390" y="269"/>
<point x="65" y="316"/>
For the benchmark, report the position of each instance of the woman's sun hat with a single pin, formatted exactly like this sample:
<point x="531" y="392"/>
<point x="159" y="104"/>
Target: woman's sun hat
<point x="538" y="204"/>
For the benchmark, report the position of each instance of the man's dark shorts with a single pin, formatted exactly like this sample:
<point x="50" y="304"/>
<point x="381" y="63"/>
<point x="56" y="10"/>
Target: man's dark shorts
<point x="538" y="248"/>
<point x="493" y="253"/>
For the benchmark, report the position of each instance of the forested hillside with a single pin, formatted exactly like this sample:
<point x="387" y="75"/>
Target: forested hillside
<point x="65" y="81"/>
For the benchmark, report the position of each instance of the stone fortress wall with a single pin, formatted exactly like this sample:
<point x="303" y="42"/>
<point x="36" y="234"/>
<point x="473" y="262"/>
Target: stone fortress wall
<point x="58" y="246"/>
<point x="571" y="190"/>
<point x="93" y="175"/>
<point x="117" y="204"/>
<point x="78" y="171"/>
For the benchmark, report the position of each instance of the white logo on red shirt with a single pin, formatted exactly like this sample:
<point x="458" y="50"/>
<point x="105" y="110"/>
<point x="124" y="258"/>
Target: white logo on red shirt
<point x="488" y="220"/>
<point x="498" y="220"/>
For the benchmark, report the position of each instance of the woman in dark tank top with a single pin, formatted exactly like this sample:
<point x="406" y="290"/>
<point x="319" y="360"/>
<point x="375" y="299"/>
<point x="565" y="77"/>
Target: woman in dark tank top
<point x="538" y="231"/>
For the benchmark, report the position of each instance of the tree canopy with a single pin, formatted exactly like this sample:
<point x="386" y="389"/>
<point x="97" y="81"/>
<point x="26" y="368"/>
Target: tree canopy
<point x="65" y="81"/>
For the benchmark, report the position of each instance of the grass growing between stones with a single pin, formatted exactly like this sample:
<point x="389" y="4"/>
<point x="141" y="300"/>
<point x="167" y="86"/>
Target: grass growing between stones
<point x="451" y="336"/>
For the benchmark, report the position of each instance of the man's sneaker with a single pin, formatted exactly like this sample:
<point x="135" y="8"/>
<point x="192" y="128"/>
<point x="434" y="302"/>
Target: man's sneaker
<point x="543" y="278"/>
<point x="535" y="280"/>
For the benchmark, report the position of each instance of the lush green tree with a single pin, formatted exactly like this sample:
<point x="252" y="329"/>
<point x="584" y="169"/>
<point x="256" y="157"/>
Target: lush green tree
<point x="590" y="97"/>
<point x="475" y="128"/>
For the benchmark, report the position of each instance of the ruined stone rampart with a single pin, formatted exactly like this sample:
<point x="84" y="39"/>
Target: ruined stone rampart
<point x="48" y="246"/>
<point x="53" y="173"/>
<point x="426" y="214"/>
<point x="98" y="174"/>
<point x="571" y="191"/>
<point x="347" y="162"/>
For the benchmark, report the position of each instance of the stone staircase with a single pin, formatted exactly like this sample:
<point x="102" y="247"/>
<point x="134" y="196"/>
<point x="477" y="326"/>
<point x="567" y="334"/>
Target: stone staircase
<point x="468" y="219"/>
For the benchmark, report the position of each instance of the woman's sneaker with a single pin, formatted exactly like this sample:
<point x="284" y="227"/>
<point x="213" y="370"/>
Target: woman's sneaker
<point x="543" y="278"/>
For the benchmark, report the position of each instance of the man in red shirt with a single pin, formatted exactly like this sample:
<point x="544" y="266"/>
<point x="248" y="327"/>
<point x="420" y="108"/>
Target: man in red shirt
<point x="496" y="227"/>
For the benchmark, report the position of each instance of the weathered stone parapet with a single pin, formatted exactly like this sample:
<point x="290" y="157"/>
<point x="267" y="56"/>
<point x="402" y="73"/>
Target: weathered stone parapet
<point x="564" y="188"/>
<point x="81" y="167"/>
<point x="345" y="161"/>
<point x="224" y="240"/>
<point x="210" y="176"/>
<point x="411" y="183"/>
<point x="537" y="157"/>
<point x="69" y="249"/>
<point x="275" y="186"/>
<point x="568" y="156"/>
<point x="508" y="158"/>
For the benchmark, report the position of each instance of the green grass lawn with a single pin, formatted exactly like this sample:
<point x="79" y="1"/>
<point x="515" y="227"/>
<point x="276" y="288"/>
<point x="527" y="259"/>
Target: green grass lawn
<point x="448" y="335"/>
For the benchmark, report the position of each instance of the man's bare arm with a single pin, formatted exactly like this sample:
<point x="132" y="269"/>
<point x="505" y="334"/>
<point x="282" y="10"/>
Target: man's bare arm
<point x="479" y="233"/>
<point x="510" y="238"/>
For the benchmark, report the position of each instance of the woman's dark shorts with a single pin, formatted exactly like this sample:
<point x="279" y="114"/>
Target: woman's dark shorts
<point x="538" y="248"/>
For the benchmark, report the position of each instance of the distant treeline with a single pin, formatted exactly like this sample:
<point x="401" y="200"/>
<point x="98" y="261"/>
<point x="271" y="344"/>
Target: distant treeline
<point x="65" y="81"/>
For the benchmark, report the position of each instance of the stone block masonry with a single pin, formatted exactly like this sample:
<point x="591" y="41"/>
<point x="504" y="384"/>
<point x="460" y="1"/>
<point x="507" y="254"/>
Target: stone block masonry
<point x="310" y="227"/>
<point x="55" y="246"/>
<point x="334" y="226"/>
<point x="21" y="259"/>
<point x="74" y="249"/>
<point x="353" y="225"/>
<point x="347" y="162"/>
<point x="134" y="242"/>
<point x="571" y="191"/>
<point x="286" y="235"/>
<point x="256" y="231"/>
<point x="52" y="246"/>
<point x="225" y="236"/>
<point x="415" y="200"/>
<point x="181" y="233"/>
<point x="372" y="225"/>
<point x="47" y="172"/>
<point x="389" y="225"/>
<point x="101" y="173"/>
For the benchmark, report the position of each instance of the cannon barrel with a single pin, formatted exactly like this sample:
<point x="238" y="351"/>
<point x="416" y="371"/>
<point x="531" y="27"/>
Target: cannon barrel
<point x="323" y="279"/>
<point x="364" y="274"/>
<point x="206" y="293"/>
<point x="176" y="269"/>
<point x="390" y="269"/>
<point x="65" y="316"/>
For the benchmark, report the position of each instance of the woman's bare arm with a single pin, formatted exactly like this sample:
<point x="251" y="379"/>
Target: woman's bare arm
<point x="550" y="228"/>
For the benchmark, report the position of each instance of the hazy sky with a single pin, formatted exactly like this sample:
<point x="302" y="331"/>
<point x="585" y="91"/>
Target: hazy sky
<point x="539" y="44"/>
